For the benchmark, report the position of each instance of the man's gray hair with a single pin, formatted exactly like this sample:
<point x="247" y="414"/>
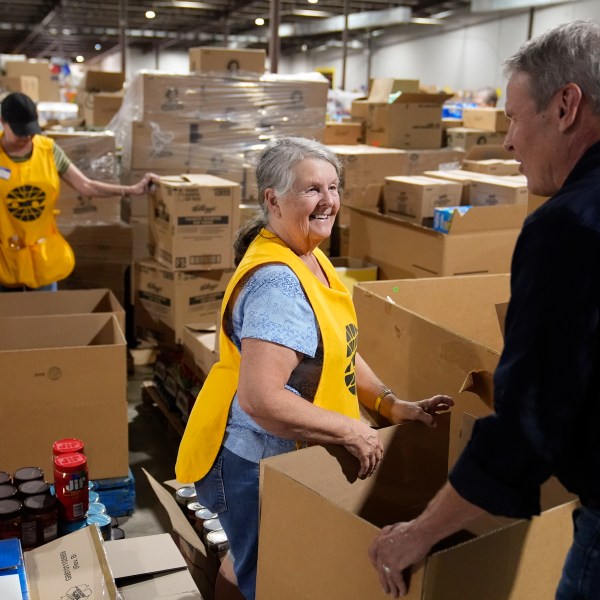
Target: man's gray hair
<point x="568" y="53"/>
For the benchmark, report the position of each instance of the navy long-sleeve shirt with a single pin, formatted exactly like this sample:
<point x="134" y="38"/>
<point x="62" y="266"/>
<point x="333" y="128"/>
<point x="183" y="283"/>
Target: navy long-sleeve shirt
<point x="547" y="384"/>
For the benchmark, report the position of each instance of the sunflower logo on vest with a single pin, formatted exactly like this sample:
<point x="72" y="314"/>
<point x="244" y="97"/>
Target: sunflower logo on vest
<point x="26" y="203"/>
<point x="351" y="345"/>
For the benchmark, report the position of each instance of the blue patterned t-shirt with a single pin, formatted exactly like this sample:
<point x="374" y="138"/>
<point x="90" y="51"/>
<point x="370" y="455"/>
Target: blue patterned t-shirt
<point x="272" y="306"/>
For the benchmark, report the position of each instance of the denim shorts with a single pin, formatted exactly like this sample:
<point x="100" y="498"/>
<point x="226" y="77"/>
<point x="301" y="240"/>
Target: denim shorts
<point x="230" y="489"/>
<point x="581" y="574"/>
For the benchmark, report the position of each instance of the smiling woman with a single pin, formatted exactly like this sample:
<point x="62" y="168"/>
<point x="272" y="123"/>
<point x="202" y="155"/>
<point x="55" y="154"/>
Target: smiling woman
<point x="289" y="372"/>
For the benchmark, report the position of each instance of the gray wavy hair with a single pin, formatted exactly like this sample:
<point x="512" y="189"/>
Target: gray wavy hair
<point x="275" y="170"/>
<point x="568" y="53"/>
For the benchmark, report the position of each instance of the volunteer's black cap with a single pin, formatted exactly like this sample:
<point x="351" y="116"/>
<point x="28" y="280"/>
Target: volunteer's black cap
<point x="19" y="111"/>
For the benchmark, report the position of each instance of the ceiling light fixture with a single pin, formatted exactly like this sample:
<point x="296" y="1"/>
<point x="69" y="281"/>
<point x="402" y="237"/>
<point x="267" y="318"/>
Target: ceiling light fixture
<point x="98" y="47"/>
<point x="259" y="21"/>
<point x="150" y="14"/>
<point x="79" y="59"/>
<point x="304" y="47"/>
<point x="443" y="15"/>
<point x="301" y="12"/>
<point x="423" y="21"/>
<point x="313" y="1"/>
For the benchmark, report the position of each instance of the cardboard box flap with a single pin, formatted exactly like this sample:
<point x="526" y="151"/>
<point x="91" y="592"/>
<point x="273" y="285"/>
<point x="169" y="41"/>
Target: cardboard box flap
<point x="501" y="312"/>
<point x="421" y="98"/>
<point x="205" y="179"/>
<point x="178" y="520"/>
<point x="72" y="566"/>
<point x="485" y="152"/>
<point x="488" y="218"/>
<point x="481" y="383"/>
<point x="143" y="555"/>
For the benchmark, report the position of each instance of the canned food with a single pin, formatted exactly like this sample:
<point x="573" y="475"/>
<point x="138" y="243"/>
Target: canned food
<point x="185" y="494"/>
<point x="103" y="523"/>
<point x="210" y="525"/>
<point x="192" y="508"/>
<point x="217" y="542"/>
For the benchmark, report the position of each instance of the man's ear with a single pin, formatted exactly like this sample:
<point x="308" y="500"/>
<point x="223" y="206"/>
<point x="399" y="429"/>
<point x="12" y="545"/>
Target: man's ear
<point x="569" y="103"/>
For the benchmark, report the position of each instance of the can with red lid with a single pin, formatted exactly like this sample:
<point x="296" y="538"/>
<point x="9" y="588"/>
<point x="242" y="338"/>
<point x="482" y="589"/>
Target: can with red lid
<point x="67" y="446"/>
<point x="71" y="485"/>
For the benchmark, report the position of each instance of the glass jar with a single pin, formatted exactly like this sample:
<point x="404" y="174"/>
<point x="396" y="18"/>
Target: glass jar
<point x="5" y="477"/>
<point x="10" y="518"/>
<point x="39" y="523"/>
<point x="8" y="491"/>
<point x="27" y="474"/>
<point x="33" y="488"/>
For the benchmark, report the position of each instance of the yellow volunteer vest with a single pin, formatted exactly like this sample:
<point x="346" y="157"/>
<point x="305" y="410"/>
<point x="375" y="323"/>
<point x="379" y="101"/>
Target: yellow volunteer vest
<point x="336" y="391"/>
<point x="32" y="252"/>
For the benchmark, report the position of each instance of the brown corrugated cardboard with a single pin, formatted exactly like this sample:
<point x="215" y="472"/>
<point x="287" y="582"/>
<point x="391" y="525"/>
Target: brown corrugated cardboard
<point x="486" y="118"/>
<point x="100" y="107"/>
<point x="493" y="191"/>
<point x="201" y="342"/>
<point x="466" y="138"/>
<point x="343" y="133"/>
<point x="64" y="376"/>
<point x="420" y="161"/>
<point x="193" y="221"/>
<point x="460" y="176"/>
<point x="63" y="302"/>
<point x="150" y="567"/>
<point x="26" y="84"/>
<point x="482" y="241"/>
<point x="412" y="120"/>
<point x="414" y="198"/>
<point x="380" y="88"/>
<point x="202" y="565"/>
<point x="103" y="81"/>
<point x="166" y="300"/>
<point x="48" y="85"/>
<point x="210" y="59"/>
<point x="493" y="166"/>
<point x="73" y="566"/>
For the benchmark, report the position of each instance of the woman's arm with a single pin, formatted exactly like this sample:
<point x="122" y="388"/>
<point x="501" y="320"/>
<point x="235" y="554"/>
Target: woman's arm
<point x="265" y="369"/>
<point x="92" y="187"/>
<point x="375" y="396"/>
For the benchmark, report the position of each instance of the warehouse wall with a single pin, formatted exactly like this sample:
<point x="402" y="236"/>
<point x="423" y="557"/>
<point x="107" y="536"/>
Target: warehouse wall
<point x="467" y="58"/>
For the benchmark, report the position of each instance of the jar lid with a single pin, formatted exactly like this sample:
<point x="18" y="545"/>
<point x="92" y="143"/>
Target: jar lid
<point x="10" y="508"/>
<point x="27" y="473"/>
<point x="8" y="490"/>
<point x="73" y="461"/>
<point x="66" y="446"/>
<point x="5" y="477"/>
<point x="36" y="486"/>
<point x="40" y="503"/>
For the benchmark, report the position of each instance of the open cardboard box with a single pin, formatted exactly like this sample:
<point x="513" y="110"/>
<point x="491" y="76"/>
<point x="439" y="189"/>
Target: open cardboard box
<point x="62" y="302"/>
<point x="317" y="524"/>
<point x="481" y="241"/>
<point x="63" y="376"/>
<point x="424" y="336"/>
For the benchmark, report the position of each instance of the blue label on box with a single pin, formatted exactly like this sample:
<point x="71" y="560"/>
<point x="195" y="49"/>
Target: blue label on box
<point x="13" y="581"/>
<point x="442" y="216"/>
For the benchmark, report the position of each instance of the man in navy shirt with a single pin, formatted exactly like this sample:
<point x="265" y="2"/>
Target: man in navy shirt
<point x="547" y="384"/>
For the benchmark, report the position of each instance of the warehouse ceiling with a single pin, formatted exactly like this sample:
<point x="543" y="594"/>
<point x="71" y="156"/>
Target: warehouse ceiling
<point x="95" y="28"/>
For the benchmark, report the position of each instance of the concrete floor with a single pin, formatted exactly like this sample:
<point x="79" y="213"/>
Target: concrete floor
<point x="152" y="445"/>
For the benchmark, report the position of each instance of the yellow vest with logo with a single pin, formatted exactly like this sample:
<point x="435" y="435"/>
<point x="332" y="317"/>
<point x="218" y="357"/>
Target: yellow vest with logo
<point x="32" y="252"/>
<point x="336" y="391"/>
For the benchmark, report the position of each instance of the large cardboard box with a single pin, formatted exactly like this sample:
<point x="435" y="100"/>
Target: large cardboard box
<point x="193" y="220"/>
<point x="486" y="118"/>
<point x="63" y="302"/>
<point x="103" y="81"/>
<point x="210" y="59"/>
<point x="317" y="524"/>
<point x="350" y="132"/>
<point x="492" y="191"/>
<point x="48" y="84"/>
<point x="352" y="270"/>
<point x="26" y="84"/>
<point x="467" y="137"/>
<point x="461" y="176"/>
<point x="165" y="300"/>
<point x="420" y="161"/>
<point x="411" y="120"/>
<point x="64" y="376"/>
<point x="481" y="241"/>
<point x="100" y="107"/>
<point x="414" y="198"/>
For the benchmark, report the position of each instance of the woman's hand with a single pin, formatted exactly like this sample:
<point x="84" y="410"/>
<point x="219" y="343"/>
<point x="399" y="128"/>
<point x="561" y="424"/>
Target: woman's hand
<point x="363" y="442"/>
<point x="143" y="186"/>
<point x="422" y="410"/>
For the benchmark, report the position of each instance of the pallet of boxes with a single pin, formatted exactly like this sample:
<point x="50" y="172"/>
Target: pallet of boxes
<point x="395" y="229"/>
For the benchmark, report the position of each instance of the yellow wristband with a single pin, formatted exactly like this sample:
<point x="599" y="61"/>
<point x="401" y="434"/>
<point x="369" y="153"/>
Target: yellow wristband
<point x="385" y="392"/>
